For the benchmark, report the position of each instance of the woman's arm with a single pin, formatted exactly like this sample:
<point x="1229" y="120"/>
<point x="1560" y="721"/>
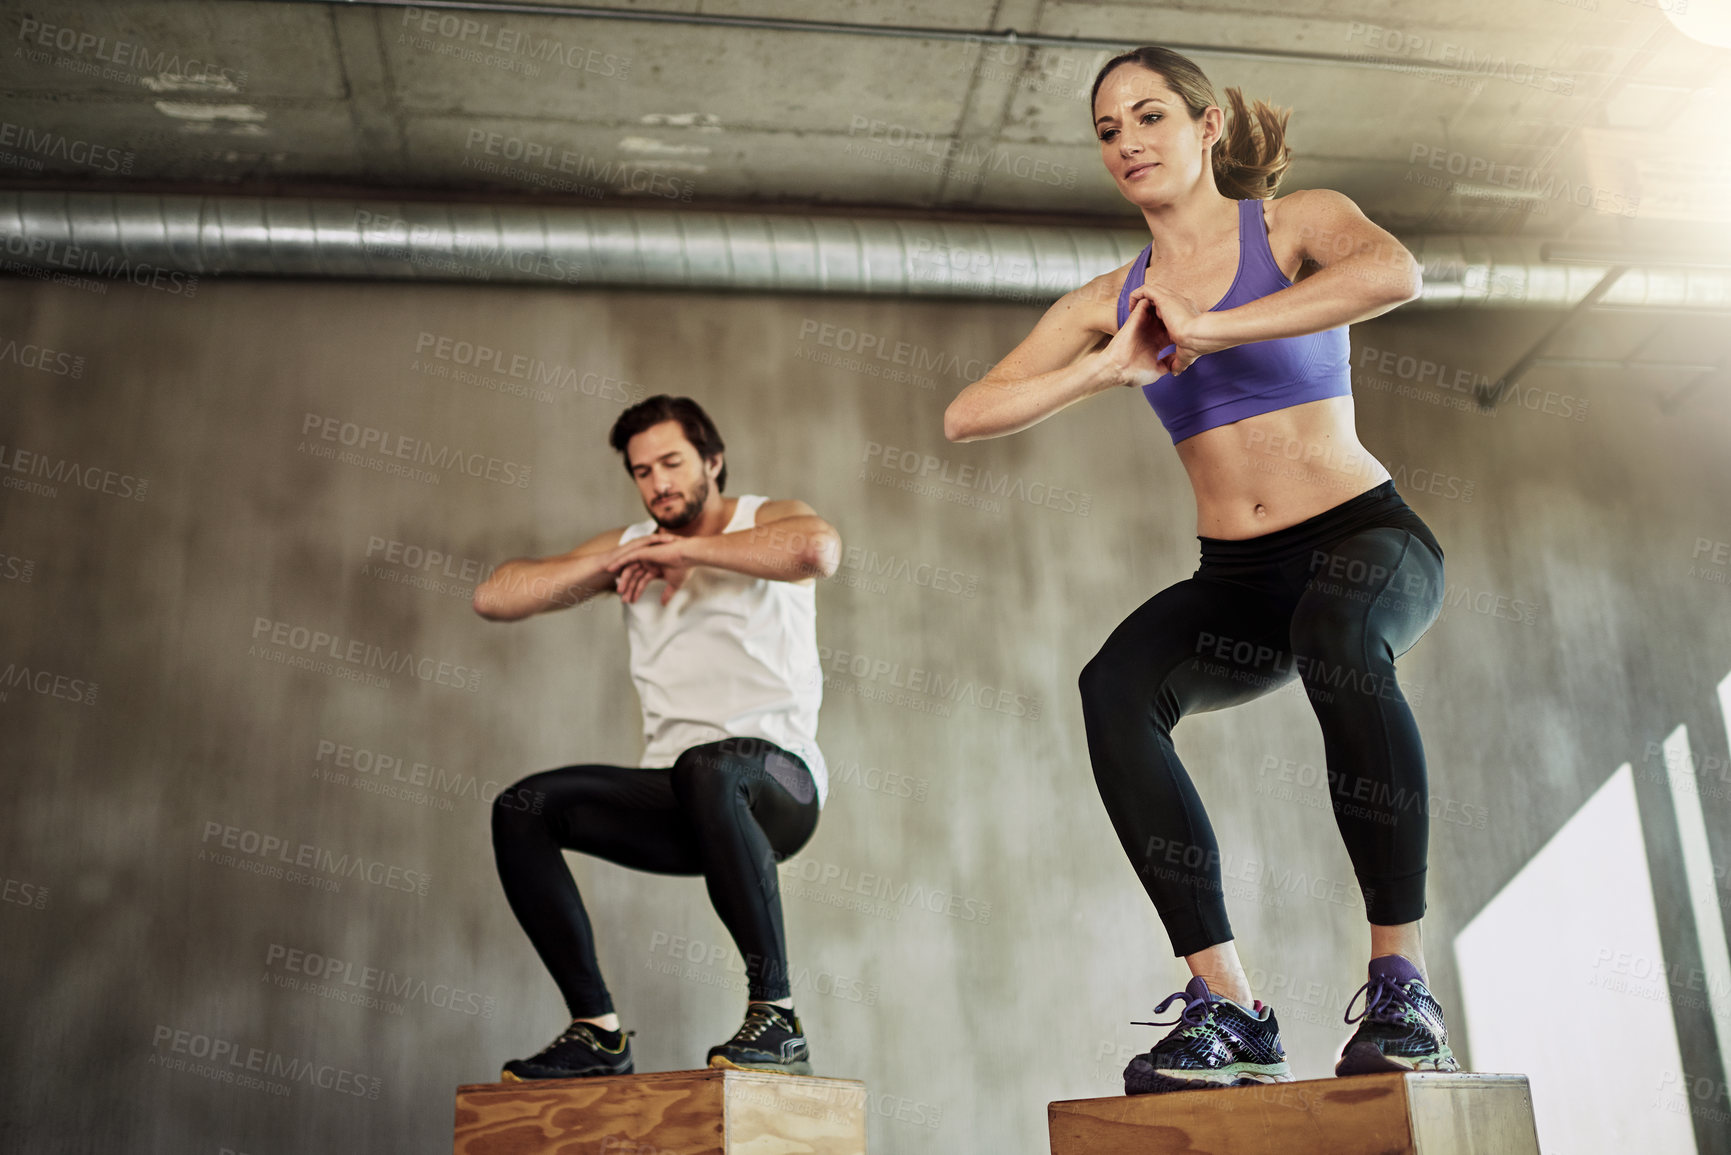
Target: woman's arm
<point x="1065" y="359"/>
<point x="1364" y="272"/>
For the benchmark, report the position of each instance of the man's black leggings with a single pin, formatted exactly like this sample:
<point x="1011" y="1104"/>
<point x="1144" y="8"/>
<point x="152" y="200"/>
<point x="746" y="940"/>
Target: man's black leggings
<point x="1333" y="601"/>
<point x="727" y="810"/>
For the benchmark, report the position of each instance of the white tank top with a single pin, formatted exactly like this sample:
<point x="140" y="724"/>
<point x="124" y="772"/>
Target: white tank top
<point x="729" y="656"/>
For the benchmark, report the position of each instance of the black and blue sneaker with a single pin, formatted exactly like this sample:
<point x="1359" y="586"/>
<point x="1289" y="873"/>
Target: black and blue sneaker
<point x="1401" y="1027"/>
<point x="582" y="1050"/>
<point x="770" y="1039"/>
<point x="1215" y="1043"/>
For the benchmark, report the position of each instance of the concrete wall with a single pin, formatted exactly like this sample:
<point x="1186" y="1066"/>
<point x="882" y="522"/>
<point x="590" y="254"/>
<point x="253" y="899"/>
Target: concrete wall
<point x="966" y="933"/>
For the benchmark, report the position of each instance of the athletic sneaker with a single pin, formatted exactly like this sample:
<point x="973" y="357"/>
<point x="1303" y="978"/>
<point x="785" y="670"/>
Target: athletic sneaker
<point x="581" y="1050"/>
<point x="1401" y="1027"/>
<point x="770" y="1039"/>
<point x="1216" y="1043"/>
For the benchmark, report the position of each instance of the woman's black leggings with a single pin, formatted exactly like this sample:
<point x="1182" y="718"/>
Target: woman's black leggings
<point x="1333" y="601"/>
<point x="727" y="810"/>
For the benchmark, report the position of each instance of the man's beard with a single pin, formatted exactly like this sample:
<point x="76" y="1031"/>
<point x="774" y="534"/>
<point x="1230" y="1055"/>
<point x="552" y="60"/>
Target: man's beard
<point x="691" y="511"/>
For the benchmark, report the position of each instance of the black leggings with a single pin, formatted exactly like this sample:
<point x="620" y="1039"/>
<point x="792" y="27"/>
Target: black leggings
<point x="727" y="810"/>
<point x="1334" y="601"/>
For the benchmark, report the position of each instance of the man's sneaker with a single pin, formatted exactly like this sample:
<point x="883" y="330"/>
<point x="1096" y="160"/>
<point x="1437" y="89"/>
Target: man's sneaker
<point x="581" y="1050"/>
<point x="1216" y="1043"/>
<point x="1401" y="1027"/>
<point x="770" y="1039"/>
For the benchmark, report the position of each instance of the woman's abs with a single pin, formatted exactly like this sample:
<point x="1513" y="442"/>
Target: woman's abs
<point x="1277" y="469"/>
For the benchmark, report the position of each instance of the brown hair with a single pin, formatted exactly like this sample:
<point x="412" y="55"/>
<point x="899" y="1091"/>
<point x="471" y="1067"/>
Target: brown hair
<point x="699" y="429"/>
<point x="1251" y="156"/>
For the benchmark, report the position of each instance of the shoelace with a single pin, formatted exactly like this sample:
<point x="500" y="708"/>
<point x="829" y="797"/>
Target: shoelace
<point x="1196" y="1012"/>
<point x="583" y="1032"/>
<point x="1382" y="998"/>
<point x="757" y="1020"/>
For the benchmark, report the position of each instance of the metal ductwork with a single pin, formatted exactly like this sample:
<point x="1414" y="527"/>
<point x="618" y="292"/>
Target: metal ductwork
<point x="149" y="237"/>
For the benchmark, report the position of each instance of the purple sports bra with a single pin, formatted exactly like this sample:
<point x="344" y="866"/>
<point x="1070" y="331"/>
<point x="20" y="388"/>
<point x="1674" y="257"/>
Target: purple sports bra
<point x="1260" y="377"/>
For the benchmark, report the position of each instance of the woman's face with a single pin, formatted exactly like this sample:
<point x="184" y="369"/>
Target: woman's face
<point x="1147" y="140"/>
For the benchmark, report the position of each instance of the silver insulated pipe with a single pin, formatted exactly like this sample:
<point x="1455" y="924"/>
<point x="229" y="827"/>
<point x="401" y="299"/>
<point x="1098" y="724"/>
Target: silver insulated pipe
<point x="148" y="236"/>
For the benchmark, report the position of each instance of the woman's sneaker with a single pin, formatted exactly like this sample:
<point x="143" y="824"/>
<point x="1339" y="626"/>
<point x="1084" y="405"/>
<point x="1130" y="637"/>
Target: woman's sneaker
<point x="581" y="1050"/>
<point x="770" y="1039"/>
<point x="1216" y="1043"/>
<point x="1401" y="1027"/>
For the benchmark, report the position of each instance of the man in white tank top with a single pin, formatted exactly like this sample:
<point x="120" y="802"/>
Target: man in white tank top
<point x="720" y="609"/>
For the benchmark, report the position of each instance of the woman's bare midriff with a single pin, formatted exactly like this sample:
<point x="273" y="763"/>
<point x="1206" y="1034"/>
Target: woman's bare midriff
<point x="1274" y="470"/>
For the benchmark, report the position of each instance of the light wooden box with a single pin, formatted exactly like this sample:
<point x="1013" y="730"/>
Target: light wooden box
<point x="712" y="1111"/>
<point x="1384" y="1114"/>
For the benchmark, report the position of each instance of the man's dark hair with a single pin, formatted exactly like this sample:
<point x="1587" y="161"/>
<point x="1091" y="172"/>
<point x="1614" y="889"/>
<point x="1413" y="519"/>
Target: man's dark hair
<point x="699" y="429"/>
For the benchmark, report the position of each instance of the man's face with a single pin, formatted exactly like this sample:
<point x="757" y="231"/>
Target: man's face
<point x="673" y="479"/>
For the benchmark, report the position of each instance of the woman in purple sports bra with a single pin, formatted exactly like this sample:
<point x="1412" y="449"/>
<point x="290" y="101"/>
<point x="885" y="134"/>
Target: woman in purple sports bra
<point x="1312" y="567"/>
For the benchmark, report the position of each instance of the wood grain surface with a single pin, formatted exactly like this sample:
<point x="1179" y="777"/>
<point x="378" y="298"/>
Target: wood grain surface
<point x="702" y="1112"/>
<point x="1387" y="1114"/>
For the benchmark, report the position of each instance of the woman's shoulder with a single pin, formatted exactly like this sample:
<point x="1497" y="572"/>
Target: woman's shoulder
<point x="1307" y="212"/>
<point x="1292" y="223"/>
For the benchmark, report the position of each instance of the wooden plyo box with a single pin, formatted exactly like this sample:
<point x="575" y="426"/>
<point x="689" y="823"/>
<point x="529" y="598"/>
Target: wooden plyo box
<point x="1385" y="1114"/>
<point x="706" y="1112"/>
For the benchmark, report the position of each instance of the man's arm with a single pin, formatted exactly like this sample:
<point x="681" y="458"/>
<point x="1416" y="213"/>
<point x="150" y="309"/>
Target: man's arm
<point x="789" y="542"/>
<point x="525" y="586"/>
